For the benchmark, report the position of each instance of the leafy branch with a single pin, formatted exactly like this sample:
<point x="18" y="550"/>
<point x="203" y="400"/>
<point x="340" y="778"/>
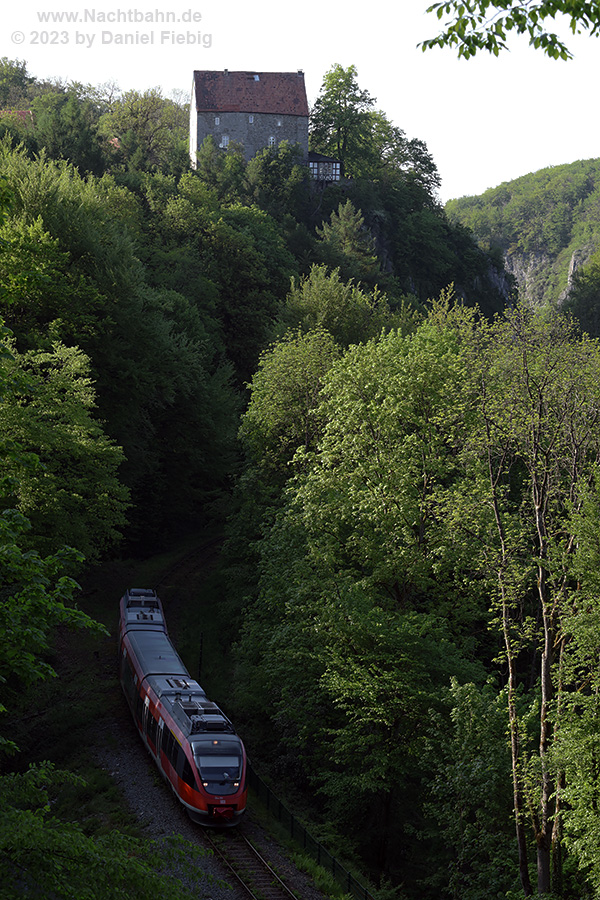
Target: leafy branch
<point x="475" y="25"/>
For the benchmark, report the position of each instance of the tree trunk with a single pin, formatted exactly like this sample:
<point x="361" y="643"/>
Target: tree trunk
<point x="543" y="835"/>
<point x="514" y="747"/>
<point x="543" y="826"/>
<point x="557" y="854"/>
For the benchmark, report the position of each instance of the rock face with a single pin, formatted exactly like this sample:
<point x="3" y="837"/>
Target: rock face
<point x="579" y="258"/>
<point x="502" y="281"/>
<point x="530" y="271"/>
<point x="545" y="224"/>
<point x="541" y="278"/>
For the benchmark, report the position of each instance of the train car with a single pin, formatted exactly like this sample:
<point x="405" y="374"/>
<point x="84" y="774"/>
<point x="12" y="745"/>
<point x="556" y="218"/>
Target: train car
<point x="193" y="743"/>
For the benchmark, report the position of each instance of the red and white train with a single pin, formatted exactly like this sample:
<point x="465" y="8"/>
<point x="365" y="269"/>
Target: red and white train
<point x="192" y="742"/>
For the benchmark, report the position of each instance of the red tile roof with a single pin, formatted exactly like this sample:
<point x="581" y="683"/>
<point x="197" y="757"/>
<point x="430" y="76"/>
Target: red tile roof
<point x="281" y="93"/>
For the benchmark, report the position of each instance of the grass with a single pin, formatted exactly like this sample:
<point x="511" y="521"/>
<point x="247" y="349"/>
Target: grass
<point x="96" y="803"/>
<point x="322" y="879"/>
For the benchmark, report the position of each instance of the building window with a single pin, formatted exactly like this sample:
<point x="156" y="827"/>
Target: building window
<point x="251" y="119"/>
<point x="224" y="141"/>
<point x="279" y="123"/>
<point x="217" y="120"/>
<point x="272" y="141"/>
<point x="325" y="171"/>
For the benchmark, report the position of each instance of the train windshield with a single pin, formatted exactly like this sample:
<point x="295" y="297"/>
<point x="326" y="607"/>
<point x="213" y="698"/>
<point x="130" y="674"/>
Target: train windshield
<point x="218" y="761"/>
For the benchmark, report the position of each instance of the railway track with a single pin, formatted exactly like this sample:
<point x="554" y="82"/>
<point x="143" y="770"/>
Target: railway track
<point x="197" y="559"/>
<point x="251" y="871"/>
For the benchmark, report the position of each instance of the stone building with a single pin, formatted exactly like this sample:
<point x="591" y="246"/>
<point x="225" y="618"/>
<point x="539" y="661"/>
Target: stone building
<point x="253" y="109"/>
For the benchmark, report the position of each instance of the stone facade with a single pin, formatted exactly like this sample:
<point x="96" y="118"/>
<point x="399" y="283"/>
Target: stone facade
<point x="252" y="109"/>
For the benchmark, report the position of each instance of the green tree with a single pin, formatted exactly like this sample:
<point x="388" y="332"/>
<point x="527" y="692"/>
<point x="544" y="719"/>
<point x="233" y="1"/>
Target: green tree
<point x="369" y="501"/>
<point x="46" y="857"/>
<point x="340" y="119"/>
<point x="392" y="155"/>
<point x="74" y="274"/>
<point x="469" y="798"/>
<point x="386" y="673"/>
<point x="346" y="245"/>
<point x="285" y="395"/>
<point x="65" y="127"/>
<point x="322" y="299"/>
<point x="345" y="125"/>
<point x="246" y="257"/>
<point x="74" y="496"/>
<point x="583" y="299"/>
<point x="42" y="292"/>
<point x="577" y="746"/>
<point x="39" y="852"/>
<point x="346" y="568"/>
<point x="281" y="417"/>
<point x="484" y="25"/>
<point x="148" y="131"/>
<point x="224" y="171"/>
<point x="277" y="181"/>
<point x="36" y="592"/>
<point x="455" y="479"/>
<point x="531" y="457"/>
<point x="15" y="84"/>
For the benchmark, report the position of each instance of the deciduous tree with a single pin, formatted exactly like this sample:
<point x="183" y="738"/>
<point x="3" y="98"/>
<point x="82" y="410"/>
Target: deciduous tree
<point x="483" y="25"/>
<point x="73" y="496"/>
<point x="340" y="119"/>
<point x="531" y="459"/>
<point x="285" y="395"/>
<point x="322" y="299"/>
<point x="65" y="127"/>
<point x="148" y="131"/>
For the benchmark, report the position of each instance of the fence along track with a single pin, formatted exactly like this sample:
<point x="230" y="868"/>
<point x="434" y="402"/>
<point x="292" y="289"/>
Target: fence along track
<point x="252" y="872"/>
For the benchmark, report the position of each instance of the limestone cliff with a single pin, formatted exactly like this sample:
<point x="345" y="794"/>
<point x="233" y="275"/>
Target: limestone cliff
<point x="546" y="225"/>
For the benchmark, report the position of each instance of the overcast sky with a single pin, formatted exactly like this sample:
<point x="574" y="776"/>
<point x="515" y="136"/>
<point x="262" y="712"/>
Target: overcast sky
<point x="485" y="120"/>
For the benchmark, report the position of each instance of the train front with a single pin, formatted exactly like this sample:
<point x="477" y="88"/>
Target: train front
<point x="221" y="764"/>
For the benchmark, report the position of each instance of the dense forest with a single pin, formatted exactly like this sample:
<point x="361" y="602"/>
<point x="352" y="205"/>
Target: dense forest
<point x="545" y="226"/>
<point x="400" y="453"/>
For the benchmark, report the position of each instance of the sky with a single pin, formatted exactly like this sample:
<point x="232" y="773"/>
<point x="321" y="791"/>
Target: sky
<point x="485" y="121"/>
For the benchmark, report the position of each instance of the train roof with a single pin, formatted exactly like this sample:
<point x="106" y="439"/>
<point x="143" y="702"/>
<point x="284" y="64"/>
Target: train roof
<point x="196" y="715"/>
<point x="142" y="609"/>
<point x="163" y="670"/>
<point x="155" y="654"/>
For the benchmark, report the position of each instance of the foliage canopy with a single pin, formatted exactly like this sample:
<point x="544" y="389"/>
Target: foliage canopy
<point x="476" y="25"/>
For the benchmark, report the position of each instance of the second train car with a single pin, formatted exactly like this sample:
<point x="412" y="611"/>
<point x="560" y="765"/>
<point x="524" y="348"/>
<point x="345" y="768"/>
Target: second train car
<point x="191" y="740"/>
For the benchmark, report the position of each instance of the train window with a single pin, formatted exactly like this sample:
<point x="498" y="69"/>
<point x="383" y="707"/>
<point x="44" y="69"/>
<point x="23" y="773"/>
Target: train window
<point x="170" y="747"/>
<point x="219" y="768"/>
<point x="188" y="774"/>
<point x="218" y="760"/>
<point x="152" y="728"/>
<point x="127" y="678"/>
<point x="139" y="707"/>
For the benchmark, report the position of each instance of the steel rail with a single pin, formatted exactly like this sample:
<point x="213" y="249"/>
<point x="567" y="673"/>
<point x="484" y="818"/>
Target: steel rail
<point x="249" y="867"/>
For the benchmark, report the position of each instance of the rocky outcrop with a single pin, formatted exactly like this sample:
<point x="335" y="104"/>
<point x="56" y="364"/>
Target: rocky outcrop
<point x="541" y="278"/>
<point x="531" y="273"/>
<point x="579" y="259"/>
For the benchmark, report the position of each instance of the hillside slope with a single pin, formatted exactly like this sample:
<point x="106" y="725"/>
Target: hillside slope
<point x="546" y="225"/>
